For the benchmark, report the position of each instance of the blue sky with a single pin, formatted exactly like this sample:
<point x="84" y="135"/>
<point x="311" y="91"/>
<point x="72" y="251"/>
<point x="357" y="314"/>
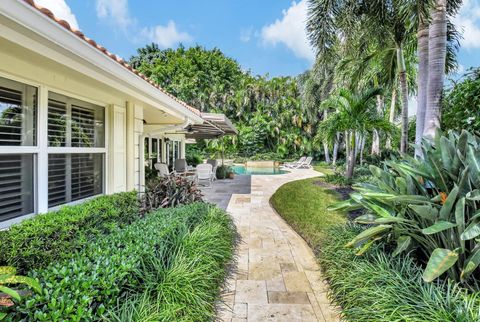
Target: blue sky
<point x="264" y="36"/>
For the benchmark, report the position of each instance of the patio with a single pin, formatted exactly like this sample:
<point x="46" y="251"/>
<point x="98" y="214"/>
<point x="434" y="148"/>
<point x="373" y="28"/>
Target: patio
<point x="276" y="276"/>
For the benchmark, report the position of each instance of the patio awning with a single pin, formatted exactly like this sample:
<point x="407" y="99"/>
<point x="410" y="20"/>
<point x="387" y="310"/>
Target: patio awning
<point x="215" y="126"/>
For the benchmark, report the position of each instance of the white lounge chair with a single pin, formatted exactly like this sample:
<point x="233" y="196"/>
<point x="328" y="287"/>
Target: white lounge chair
<point x="214" y="164"/>
<point x="162" y="169"/>
<point x="205" y="174"/>
<point x="307" y="164"/>
<point x="296" y="163"/>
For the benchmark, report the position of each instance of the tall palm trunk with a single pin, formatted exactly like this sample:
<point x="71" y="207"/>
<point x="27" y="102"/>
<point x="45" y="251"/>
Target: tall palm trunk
<point x="376" y="136"/>
<point x="402" y="71"/>
<point x="391" y="117"/>
<point x="422" y="52"/>
<point x="325" y="143"/>
<point x="335" y="148"/>
<point x="352" y="156"/>
<point x="362" y="148"/>
<point x="437" y="53"/>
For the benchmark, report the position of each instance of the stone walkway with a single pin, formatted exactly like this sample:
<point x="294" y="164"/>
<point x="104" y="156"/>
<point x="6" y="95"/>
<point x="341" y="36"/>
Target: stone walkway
<point x="277" y="277"/>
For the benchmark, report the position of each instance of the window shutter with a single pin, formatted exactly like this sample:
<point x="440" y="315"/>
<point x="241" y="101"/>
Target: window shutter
<point x="83" y="176"/>
<point x="16" y="173"/>
<point x="57" y="123"/>
<point x="83" y="127"/>
<point x="57" y="179"/>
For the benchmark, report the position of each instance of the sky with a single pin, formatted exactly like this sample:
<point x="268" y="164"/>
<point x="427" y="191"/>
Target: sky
<point x="264" y="36"/>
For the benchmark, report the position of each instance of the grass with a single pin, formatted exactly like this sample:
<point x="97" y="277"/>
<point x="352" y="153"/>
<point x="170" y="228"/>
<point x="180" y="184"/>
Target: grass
<point x="167" y="266"/>
<point x="303" y="205"/>
<point x="323" y="168"/>
<point x="377" y="287"/>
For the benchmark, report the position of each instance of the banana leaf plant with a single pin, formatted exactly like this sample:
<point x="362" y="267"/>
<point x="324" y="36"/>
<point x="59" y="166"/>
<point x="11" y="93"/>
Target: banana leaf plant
<point x="430" y="204"/>
<point x="7" y="293"/>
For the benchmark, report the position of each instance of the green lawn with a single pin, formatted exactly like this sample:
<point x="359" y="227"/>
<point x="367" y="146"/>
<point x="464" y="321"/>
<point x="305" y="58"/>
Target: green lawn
<point x="303" y="205"/>
<point x="325" y="169"/>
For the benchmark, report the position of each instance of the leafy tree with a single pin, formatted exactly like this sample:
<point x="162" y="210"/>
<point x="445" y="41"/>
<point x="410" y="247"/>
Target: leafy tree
<point x="355" y="116"/>
<point x="461" y="105"/>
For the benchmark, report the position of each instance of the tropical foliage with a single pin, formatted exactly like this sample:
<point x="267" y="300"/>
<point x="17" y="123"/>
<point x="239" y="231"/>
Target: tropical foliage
<point x="461" y="104"/>
<point x="267" y="111"/>
<point x="429" y="205"/>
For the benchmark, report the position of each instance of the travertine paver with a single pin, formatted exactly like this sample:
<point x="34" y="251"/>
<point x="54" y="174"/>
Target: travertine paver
<point x="277" y="277"/>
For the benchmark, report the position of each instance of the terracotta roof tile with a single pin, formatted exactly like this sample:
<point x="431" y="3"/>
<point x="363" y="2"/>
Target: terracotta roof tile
<point x="118" y="59"/>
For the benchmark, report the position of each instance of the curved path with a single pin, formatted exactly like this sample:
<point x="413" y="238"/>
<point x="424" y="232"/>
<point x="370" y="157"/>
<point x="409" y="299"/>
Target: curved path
<point x="277" y="277"/>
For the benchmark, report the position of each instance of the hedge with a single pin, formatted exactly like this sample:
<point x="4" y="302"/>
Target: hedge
<point x="36" y="242"/>
<point x="377" y="287"/>
<point x="175" y="258"/>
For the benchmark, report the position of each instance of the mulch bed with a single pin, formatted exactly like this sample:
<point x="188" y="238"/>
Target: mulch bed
<point x="344" y="191"/>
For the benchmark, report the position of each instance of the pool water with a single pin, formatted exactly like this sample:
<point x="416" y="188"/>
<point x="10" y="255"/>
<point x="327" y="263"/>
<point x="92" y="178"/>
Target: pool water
<point x="241" y="169"/>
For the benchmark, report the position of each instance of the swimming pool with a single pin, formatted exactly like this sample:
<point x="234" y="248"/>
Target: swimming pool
<point x="241" y="169"/>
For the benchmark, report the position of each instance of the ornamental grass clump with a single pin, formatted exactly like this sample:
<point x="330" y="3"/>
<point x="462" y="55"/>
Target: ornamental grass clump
<point x="430" y="205"/>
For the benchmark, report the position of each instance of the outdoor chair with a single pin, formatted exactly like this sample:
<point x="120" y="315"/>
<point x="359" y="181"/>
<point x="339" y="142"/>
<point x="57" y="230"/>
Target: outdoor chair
<point x="296" y="163"/>
<point x="180" y="166"/>
<point x="162" y="169"/>
<point x="205" y="174"/>
<point x="307" y="164"/>
<point x="214" y="164"/>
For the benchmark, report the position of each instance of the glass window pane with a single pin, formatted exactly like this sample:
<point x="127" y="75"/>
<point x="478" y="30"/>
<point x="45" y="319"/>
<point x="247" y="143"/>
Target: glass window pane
<point x="75" y="123"/>
<point x="18" y="106"/>
<point x="16" y="185"/>
<point x="74" y="176"/>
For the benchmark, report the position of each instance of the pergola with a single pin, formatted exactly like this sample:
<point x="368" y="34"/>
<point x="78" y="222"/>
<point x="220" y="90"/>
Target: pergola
<point x="215" y="126"/>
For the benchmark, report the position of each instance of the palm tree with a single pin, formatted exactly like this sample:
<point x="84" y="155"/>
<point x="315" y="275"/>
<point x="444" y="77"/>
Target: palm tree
<point x="356" y="116"/>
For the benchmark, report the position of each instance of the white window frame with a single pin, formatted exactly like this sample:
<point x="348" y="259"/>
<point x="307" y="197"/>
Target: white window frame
<point x="42" y="150"/>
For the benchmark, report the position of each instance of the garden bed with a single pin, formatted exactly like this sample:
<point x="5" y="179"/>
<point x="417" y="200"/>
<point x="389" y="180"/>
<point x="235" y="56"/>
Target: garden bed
<point x="167" y="266"/>
<point x="374" y="286"/>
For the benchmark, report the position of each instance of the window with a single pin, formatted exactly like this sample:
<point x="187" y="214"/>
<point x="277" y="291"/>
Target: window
<point x="74" y="123"/>
<point x="16" y="185"/>
<point x="80" y="125"/>
<point x="18" y="105"/>
<point x="18" y="110"/>
<point x="74" y="176"/>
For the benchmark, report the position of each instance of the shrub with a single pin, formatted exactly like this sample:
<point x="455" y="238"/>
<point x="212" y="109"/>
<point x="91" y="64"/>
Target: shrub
<point x="429" y="204"/>
<point x="376" y="287"/>
<point x="169" y="191"/>
<point x="223" y="171"/>
<point x="194" y="159"/>
<point x="461" y="104"/>
<point x="168" y="254"/>
<point x="45" y="238"/>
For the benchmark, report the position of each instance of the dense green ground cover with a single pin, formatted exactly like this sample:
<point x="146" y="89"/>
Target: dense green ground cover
<point x="165" y="267"/>
<point x="374" y="286"/>
<point x="36" y="242"/>
<point x="303" y="204"/>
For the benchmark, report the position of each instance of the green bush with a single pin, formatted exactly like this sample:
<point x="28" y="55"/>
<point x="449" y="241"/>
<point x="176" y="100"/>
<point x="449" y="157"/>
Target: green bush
<point x="45" y="238"/>
<point x="376" y="287"/>
<point x="429" y="204"/>
<point x="461" y="103"/>
<point x="194" y="159"/>
<point x="176" y="257"/>
<point x="169" y="191"/>
<point x="223" y="171"/>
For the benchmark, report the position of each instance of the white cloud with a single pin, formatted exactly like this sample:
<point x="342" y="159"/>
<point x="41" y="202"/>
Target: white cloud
<point x="290" y="31"/>
<point x="165" y="36"/>
<point x="116" y="11"/>
<point x="469" y="20"/>
<point x="246" y="34"/>
<point x="61" y="10"/>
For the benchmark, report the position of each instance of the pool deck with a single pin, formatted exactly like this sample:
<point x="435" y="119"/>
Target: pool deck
<point x="221" y="191"/>
<point x="276" y="275"/>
